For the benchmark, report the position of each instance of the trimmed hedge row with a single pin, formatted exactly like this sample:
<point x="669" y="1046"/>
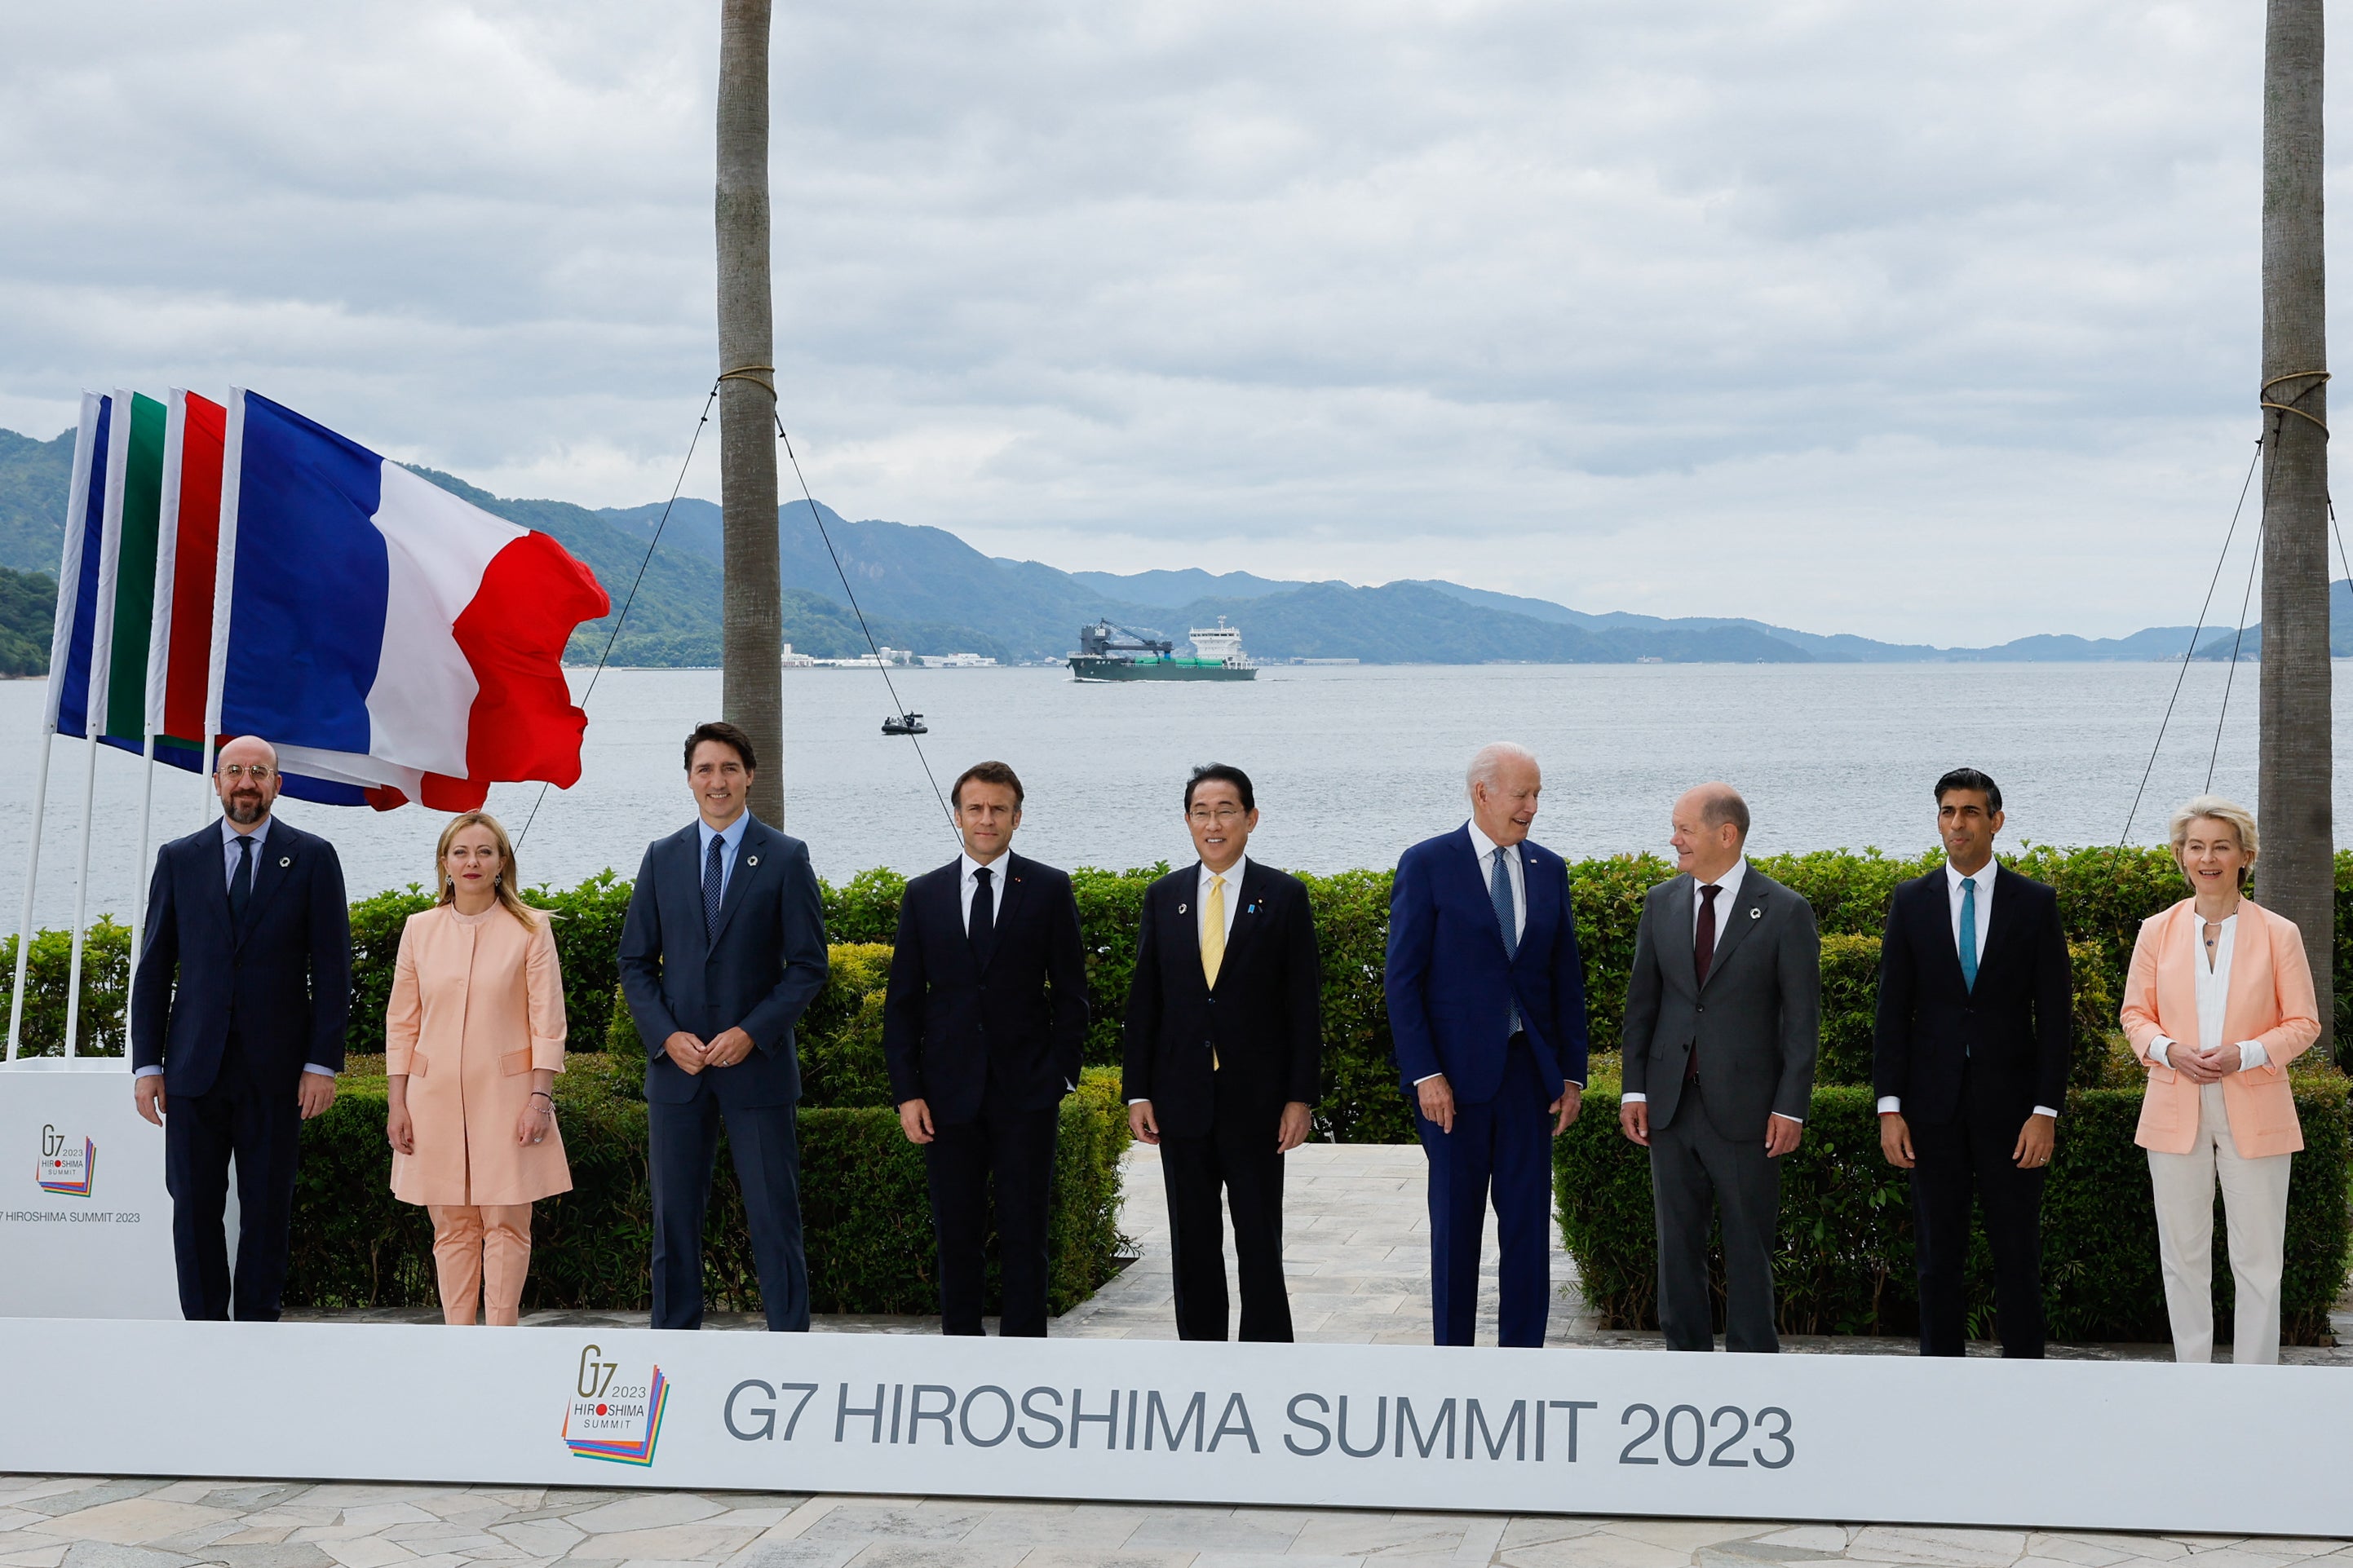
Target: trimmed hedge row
<point x="864" y="1211"/>
<point x="2104" y="896"/>
<point x="1844" y="1261"/>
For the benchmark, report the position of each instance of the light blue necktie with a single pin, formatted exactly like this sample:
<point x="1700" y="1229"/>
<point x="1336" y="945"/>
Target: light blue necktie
<point x="1500" y="890"/>
<point x="1970" y="932"/>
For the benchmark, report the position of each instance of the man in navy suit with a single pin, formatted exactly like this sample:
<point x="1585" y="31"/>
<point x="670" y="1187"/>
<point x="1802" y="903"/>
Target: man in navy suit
<point x="1486" y="999"/>
<point x="723" y="950"/>
<point x="236" y="1028"/>
<point x="1225" y="1044"/>
<point x="1971" y="1057"/>
<point x="982" y="1029"/>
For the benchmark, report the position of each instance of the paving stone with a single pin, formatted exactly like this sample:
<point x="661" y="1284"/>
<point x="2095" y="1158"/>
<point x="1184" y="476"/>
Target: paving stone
<point x="87" y="1495"/>
<point x="1746" y="1553"/>
<point x="366" y="1552"/>
<point x="248" y="1496"/>
<point x="1376" y="1536"/>
<point x="133" y="1520"/>
<point x="1594" y="1551"/>
<point x="1942" y="1548"/>
<point x="1095" y="1528"/>
<point x="35" y="1557"/>
<point x="1529" y="1530"/>
<point x="284" y="1554"/>
<point x="548" y="1538"/>
<point x="894" y="1523"/>
<point x="674" y="1543"/>
<point x="1688" y="1534"/>
<point x="937" y="1555"/>
<point x="1826" y="1538"/>
<point x="2087" y="1551"/>
<point x="1210" y="1534"/>
<point x="647" y="1511"/>
<point x="1099" y="1557"/>
<point x="799" y="1553"/>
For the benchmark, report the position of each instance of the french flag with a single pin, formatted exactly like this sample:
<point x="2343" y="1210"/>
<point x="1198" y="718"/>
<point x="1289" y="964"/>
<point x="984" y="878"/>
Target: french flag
<point x="393" y="642"/>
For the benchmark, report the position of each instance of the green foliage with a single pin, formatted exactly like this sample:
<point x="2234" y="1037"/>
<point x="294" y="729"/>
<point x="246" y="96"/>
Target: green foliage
<point x="1844" y="1262"/>
<point x="48" y="970"/>
<point x="1850" y="1005"/>
<point x="588" y="940"/>
<point x="376" y="925"/>
<point x="28" y="603"/>
<point x="1110" y="913"/>
<point x="1362" y="1102"/>
<point x="865" y="1212"/>
<point x="866" y="908"/>
<point x="840" y="1035"/>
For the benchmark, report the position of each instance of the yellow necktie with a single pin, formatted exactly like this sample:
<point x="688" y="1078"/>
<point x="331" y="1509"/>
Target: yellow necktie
<point x="1213" y="941"/>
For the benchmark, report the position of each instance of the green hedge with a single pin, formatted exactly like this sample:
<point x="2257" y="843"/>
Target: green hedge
<point x="865" y="1214"/>
<point x="1844" y="1260"/>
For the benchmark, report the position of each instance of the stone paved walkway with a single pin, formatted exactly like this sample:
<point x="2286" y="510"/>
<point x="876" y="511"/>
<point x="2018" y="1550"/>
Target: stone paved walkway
<point x="1356" y="1240"/>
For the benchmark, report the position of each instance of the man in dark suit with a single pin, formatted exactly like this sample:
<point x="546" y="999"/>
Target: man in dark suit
<point x="236" y="1028"/>
<point x="1486" y="1000"/>
<point x="1970" y="1058"/>
<point x="722" y="950"/>
<point x="1225" y="1054"/>
<point x="982" y="1029"/>
<point x="1722" y="1022"/>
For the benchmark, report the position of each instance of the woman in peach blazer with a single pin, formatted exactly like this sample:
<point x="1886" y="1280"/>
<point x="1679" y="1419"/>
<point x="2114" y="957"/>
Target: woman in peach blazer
<point x="2218" y="1003"/>
<point x="473" y="1040"/>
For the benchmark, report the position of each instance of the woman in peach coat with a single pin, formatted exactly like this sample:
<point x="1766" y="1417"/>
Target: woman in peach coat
<point x="473" y="1040"/>
<point x="2218" y="1003"/>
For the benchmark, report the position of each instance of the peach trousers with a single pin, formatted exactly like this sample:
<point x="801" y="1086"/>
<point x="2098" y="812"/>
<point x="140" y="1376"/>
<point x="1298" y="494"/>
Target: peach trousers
<point x="481" y="1253"/>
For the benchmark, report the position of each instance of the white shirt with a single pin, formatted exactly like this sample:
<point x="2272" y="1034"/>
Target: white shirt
<point x="1487" y="849"/>
<point x="1233" y="876"/>
<point x="971" y="884"/>
<point x="1984" y="877"/>
<point x="2213" y="991"/>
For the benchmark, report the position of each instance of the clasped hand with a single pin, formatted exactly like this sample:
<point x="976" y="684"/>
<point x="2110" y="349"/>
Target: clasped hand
<point x="692" y="1055"/>
<point x="2204" y="1067"/>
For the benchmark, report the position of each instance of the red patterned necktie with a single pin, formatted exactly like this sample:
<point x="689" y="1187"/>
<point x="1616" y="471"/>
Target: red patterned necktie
<point x="1702" y="955"/>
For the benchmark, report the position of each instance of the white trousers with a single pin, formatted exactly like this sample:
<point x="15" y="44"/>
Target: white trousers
<point x="2254" y="1209"/>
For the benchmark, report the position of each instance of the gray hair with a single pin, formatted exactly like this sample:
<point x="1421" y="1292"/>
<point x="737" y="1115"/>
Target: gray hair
<point x="2241" y="822"/>
<point x="1720" y="804"/>
<point x="1487" y="763"/>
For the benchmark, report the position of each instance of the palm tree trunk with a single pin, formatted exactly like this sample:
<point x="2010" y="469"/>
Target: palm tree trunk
<point x="752" y="611"/>
<point x="2298" y="866"/>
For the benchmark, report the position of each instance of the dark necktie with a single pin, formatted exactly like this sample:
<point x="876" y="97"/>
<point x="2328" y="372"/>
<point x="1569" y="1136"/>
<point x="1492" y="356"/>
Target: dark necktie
<point x="981" y="929"/>
<point x="1703" y="956"/>
<point x="714" y="883"/>
<point x="240" y="883"/>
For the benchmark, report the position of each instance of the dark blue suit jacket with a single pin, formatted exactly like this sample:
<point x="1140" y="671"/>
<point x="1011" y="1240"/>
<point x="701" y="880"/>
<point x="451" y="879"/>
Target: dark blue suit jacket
<point x="282" y="982"/>
<point x="1450" y="984"/>
<point x="758" y="972"/>
<point x="953" y="1032"/>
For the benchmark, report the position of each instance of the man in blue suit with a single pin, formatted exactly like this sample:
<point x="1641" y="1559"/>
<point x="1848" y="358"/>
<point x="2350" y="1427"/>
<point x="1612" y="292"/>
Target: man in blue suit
<point x="723" y="950"/>
<point x="236" y="1028"/>
<point x="1486" y="999"/>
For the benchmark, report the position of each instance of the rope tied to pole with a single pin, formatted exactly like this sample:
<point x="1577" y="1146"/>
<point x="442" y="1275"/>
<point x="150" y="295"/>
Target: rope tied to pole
<point x="760" y="375"/>
<point x="2318" y="378"/>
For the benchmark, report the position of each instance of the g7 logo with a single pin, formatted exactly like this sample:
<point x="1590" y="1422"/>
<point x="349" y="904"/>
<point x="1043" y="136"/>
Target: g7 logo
<point x="595" y="1376"/>
<point x="53" y="1142"/>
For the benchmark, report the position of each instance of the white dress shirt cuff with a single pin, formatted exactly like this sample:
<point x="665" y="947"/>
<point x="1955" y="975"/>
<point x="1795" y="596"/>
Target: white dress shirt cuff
<point x="2046" y="1110"/>
<point x="1891" y="1105"/>
<point x="1425" y="1078"/>
<point x="1143" y="1100"/>
<point x="2157" y="1049"/>
<point x="147" y="1072"/>
<point x="2252" y="1056"/>
<point x="1793" y="1120"/>
<point x="322" y="1072"/>
<point x="1636" y="1098"/>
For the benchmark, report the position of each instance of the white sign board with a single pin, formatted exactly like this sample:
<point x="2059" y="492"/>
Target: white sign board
<point x="85" y="1222"/>
<point x="2052" y="1444"/>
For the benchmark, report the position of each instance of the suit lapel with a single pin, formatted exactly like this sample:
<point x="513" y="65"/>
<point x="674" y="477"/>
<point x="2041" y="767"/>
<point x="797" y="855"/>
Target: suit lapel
<point x="273" y="863"/>
<point x="2250" y="971"/>
<point x="1008" y="899"/>
<point x="752" y="857"/>
<point x="687" y="859"/>
<point x="1248" y="911"/>
<point x="2003" y="892"/>
<point x="1542" y="913"/>
<point x="1733" y="925"/>
<point x="213" y="874"/>
<point x="1480" y="892"/>
<point x="1681" y="961"/>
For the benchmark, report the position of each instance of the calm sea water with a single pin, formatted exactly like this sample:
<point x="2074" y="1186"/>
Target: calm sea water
<point x="1351" y="764"/>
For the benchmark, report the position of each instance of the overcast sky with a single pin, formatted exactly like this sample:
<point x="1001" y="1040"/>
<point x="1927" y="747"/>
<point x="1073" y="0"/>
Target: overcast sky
<point x="1924" y="322"/>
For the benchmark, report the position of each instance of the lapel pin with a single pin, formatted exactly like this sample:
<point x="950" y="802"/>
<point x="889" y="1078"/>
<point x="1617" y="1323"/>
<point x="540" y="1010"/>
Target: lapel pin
<point x="1180" y="908"/>
<point x="286" y="860"/>
<point x="752" y="860"/>
<point x="1755" y="913"/>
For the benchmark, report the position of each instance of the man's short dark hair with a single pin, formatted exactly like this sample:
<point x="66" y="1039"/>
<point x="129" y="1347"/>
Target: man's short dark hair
<point x="1221" y="773"/>
<point x="987" y="772"/>
<point x="1970" y="778"/>
<point x="727" y="735"/>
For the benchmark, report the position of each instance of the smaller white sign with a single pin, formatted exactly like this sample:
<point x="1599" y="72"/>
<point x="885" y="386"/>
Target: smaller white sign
<point x="85" y="1221"/>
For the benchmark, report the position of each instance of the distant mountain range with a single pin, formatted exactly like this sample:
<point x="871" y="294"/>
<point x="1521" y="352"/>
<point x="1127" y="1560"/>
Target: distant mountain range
<point x="925" y="589"/>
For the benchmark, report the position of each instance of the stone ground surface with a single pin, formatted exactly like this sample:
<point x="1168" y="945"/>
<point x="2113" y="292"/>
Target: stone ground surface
<point x="1356" y="1240"/>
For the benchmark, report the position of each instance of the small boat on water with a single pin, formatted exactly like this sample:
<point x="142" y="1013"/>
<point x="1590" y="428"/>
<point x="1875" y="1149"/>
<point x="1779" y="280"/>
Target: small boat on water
<point x="905" y="724"/>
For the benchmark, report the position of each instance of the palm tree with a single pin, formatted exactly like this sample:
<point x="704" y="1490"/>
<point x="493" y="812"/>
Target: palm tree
<point x="752" y="609"/>
<point x="2299" y="850"/>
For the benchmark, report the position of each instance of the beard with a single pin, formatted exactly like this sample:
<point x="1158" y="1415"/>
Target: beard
<point x="245" y="810"/>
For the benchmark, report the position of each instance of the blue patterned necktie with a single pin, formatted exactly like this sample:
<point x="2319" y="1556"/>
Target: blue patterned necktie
<point x="1500" y="890"/>
<point x="240" y="885"/>
<point x="714" y="882"/>
<point x="1968" y="943"/>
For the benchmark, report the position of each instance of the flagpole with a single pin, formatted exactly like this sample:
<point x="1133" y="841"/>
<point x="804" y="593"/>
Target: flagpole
<point x="159" y="647"/>
<point x="101" y="674"/>
<point x="60" y="653"/>
<point x="224" y="575"/>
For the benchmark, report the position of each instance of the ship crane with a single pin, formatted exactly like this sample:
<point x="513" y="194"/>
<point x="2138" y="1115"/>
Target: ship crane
<point x="1099" y="638"/>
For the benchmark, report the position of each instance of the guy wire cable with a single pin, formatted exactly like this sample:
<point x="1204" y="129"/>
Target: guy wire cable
<point x="2187" y="654"/>
<point x="897" y="706"/>
<point x="638" y="581"/>
<point x="2239" y="638"/>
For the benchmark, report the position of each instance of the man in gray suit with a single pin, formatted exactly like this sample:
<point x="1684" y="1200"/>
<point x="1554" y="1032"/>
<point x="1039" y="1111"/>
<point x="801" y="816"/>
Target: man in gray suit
<point x="1723" y="1018"/>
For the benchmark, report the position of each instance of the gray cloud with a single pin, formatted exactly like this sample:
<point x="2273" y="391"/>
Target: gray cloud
<point x="1919" y="322"/>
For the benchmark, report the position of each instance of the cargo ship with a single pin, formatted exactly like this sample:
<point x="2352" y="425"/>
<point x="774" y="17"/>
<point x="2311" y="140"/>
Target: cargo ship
<point x="1217" y="655"/>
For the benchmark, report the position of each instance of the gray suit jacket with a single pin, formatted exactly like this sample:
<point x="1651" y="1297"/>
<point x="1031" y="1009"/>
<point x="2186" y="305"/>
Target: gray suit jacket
<point x="1755" y="1024"/>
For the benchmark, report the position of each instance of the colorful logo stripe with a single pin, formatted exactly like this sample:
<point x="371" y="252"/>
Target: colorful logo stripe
<point x="74" y="1189"/>
<point x="639" y="1453"/>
